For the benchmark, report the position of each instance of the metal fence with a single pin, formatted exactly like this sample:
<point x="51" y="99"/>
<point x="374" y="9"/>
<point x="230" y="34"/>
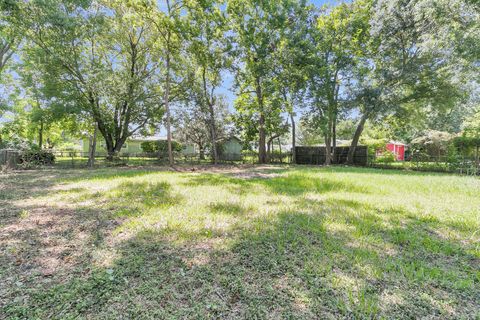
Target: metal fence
<point x="11" y="159"/>
<point x="76" y="159"/>
<point x="457" y="164"/>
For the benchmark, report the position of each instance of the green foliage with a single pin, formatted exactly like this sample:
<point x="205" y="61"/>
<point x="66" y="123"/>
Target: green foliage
<point x="472" y="125"/>
<point x="378" y="147"/>
<point x="466" y="146"/>
<point x="78" y="64"/>
<point x="73" y="47"/>
<point x="432" y="143"/>
<point x="160" y="146"/>
<point x="29" y="158"/>
<point x="386" y="156"/>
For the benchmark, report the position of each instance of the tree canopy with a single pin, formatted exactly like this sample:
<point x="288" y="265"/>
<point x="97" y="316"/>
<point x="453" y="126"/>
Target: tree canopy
<point x="148" y="67"/>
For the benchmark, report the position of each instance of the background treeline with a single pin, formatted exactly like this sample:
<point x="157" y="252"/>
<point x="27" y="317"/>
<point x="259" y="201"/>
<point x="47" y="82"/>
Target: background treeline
<point x="302" y="73"/>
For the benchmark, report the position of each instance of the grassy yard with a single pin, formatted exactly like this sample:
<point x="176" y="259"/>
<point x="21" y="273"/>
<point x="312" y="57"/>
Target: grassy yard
<point x="261" y="242"/>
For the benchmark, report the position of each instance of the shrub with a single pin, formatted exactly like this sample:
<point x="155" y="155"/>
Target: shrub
<point x="69" y="146"/>
<point x="36" y="157"/>
<point x="160" y="146"/>
<point x="433" y="143"/>
<point x="386" y="157"/>
<point x="375" y="146"/>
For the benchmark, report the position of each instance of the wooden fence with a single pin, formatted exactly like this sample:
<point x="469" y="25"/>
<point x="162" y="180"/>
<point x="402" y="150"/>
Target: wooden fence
<point x="317" y="155"/>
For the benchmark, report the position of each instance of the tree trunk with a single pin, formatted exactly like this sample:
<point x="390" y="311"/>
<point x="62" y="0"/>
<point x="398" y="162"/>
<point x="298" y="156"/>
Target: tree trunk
<point x="280" y="149"/>
<point x="40" y="135"/>
<point x="167" y="109"/>
<point x="262" y="152"/>
<point x="213" y="134"/>
<point x="334" y="139"/>
<point x="328" y="149"/>
<point x="356" y="138"/>
<point x="92" y="148"/>
<point x="294" y="158"/>
<point x="328" y="141"/>
<point x="269" y="150"/>
<point x="111" y="155"/>
<point x="213" y="128"/>
<point x="202" y="152"/>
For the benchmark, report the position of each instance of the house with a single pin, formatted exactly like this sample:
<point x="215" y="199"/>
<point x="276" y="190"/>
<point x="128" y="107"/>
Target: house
<point x="397" y="148"/>
<point x="230" y="149"/>
<point x="133" y="145"/>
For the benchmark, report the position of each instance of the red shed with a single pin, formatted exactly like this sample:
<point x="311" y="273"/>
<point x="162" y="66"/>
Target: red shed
<point x="398" y="149"/>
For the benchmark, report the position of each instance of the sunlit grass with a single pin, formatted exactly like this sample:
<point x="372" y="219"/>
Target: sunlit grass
<point x="273" y="242"/>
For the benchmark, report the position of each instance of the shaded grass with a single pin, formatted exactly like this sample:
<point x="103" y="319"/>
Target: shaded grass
<point x="274" y="243"/>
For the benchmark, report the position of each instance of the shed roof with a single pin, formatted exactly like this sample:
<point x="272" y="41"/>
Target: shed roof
<point x="398" y="143"/>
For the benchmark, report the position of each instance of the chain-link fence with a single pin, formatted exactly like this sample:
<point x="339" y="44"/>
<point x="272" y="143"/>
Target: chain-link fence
<point x="452" y="164"/>
<point x="76" y="159"/>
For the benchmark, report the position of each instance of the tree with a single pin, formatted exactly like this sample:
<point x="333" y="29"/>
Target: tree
<point x="99" y="55"/>
<point x="170" y="23"/>
<point x="432" y="143"/>
<point x="399" y="69"/>
<point x="209" y="47"/>
<point x="338" y="39"/>
<point x="9" y="37"/>
<point x="192" y="125"/>
<point x="257" y="32"/>
<point x="291" y="63"/>
<point x="191" y="129"/>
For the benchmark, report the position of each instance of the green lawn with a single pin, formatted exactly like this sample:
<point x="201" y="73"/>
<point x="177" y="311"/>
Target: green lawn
<point x="262" y="242"/>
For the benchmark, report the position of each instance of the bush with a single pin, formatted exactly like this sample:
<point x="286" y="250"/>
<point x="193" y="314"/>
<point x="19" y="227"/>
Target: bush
<point x="386" y="157"/>
<point x="69" y="146"/>
<point x="36" y="158"/>
<point x="433" y="143"/>
<point x="160" y="146"/>
<point x="374" y="146"/>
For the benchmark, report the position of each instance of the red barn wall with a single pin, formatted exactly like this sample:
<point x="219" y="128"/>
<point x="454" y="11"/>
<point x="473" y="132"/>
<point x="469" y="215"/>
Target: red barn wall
<point x="398" y="150"/>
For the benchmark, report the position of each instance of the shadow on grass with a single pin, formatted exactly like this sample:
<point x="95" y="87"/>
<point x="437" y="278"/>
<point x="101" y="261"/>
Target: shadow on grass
<point x="230" y="208"/>
<point x="330" y="259"/>
<point x="374" y="171"/>
<point x="291" y="184"/>
<point x="107" y="173"/>
<point x="143" y="195"/>
<point x="42" y="246"/>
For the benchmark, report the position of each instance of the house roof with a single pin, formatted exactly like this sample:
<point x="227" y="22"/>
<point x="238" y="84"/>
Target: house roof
<point x="230" y="138"/>
<point x="149" y="138"/>
<point x="398" y="143"/>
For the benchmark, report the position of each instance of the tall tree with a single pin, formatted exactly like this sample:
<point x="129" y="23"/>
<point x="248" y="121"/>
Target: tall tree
<point x="291" y="63"/>
<point x="399" y="66"/>
<point x="192" y="124"/>
<point x="209" y="47"/>
<point x="9" y="36"/>
<point x="99" y="55"/>
<point x="337" y="40"/>
<point x="256" y="26"/>
<point x="169" y="20"/>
